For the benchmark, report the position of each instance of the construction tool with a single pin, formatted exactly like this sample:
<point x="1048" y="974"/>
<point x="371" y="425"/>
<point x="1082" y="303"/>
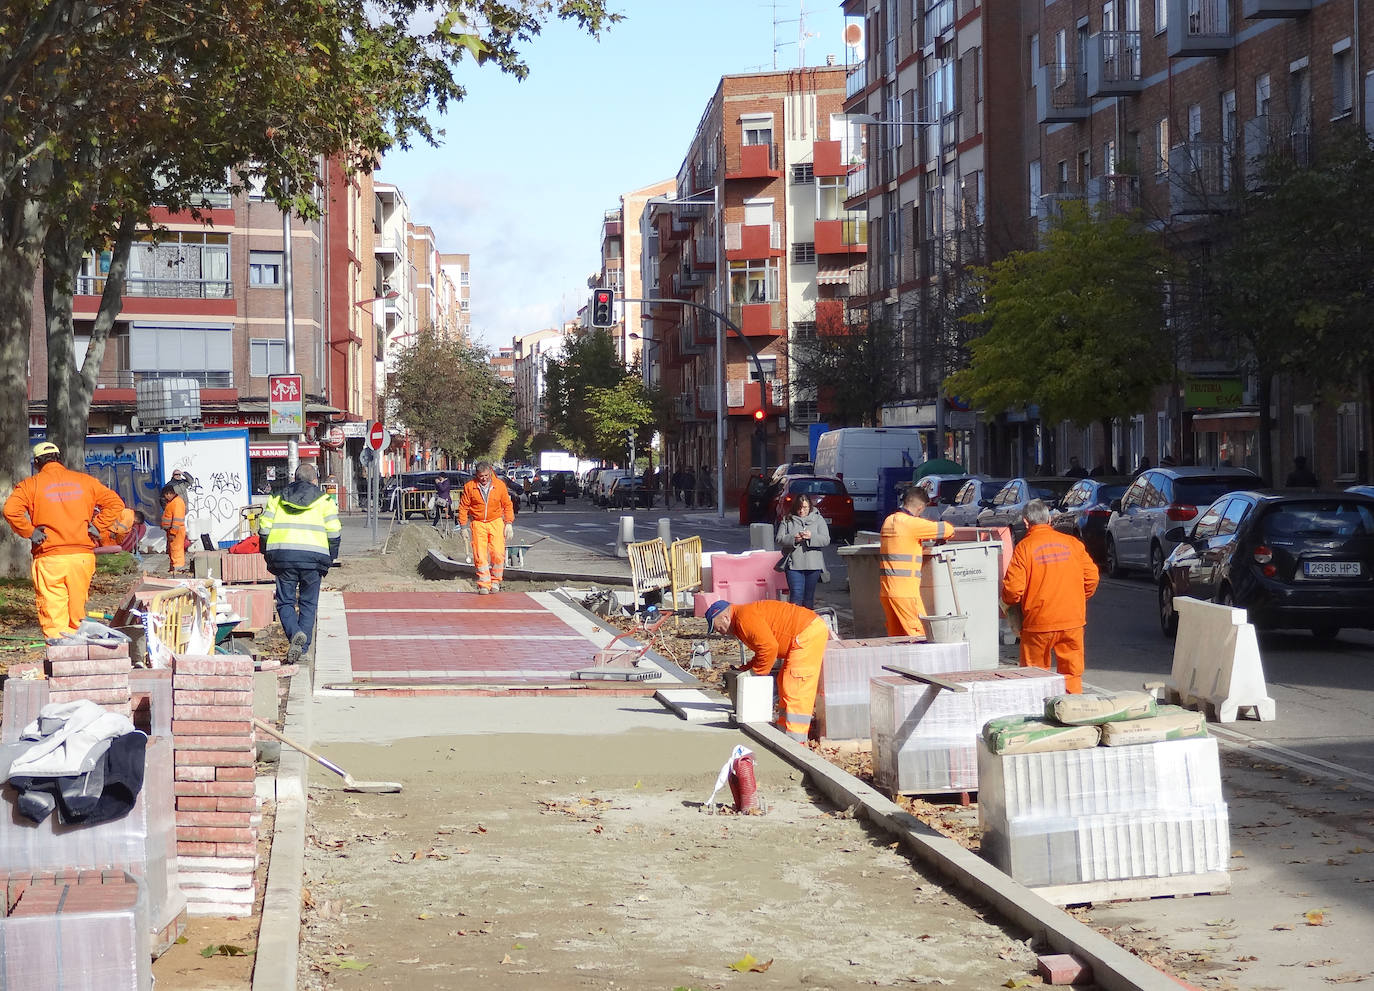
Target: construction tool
<point x="613" y="674"/>
<point x="929" y="679"/>
<point x="610" y="655"/>
<point x="350" y="784"/>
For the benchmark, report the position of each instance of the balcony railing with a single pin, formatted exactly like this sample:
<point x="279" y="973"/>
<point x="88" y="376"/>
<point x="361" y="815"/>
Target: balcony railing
<point x="1199" y="177"/>
<point x="1114" y="63"/>
<point x="704" y="250"/>
<point x="1199" y="27"/>
<point x="1276" y="136"/>
<point x="394" y="245"/>
<point x="1061" y="93"/>
<point x="856" y="81"/>
<point x="856" y="183"/>
<point x="89" y="285"/>
<point x="206" y="379"/>
<point x="734" y="236"/>
<point x="1049" y="209"/>
<point x="122" y="378"/>
<point x="1115" y="193"/>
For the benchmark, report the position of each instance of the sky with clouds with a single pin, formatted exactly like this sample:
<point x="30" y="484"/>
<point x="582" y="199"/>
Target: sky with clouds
<point x="526" y="169"/>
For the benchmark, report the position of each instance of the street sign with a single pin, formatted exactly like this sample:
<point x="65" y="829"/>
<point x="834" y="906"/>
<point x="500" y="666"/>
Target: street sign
<point x="365" y="457"/>
<point x="376" y="437"/>
<point x="285" y="405"/>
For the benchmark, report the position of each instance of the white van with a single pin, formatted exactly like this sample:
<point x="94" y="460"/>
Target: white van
<point x="856" y="453"/>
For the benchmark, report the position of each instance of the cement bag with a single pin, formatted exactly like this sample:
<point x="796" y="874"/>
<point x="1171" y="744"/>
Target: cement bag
<point x="1171" y="723"/>
<point x="1092" y="709"/>
<point x="1032" y="735"/>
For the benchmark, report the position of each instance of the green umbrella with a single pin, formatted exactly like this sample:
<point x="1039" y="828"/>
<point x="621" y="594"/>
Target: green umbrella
<point x="937" y="466"/>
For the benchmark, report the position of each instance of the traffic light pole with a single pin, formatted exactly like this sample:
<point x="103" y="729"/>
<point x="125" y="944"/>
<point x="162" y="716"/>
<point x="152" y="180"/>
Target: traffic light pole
<point x="724" y="321"/>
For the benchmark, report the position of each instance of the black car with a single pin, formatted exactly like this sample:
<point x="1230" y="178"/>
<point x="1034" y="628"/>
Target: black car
<point x="1289" y="559"/>
<point x="1085" y="509"/>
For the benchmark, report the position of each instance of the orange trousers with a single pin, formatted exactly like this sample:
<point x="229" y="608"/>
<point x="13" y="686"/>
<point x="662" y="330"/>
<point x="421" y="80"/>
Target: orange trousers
<point x="489" y="551"/>
<point x="799" y="678"/>
<point x="62" y="583"/>
<point x="1067" y="648"/>
<point x="176" y="548"/>
<point x="904" y="616"/>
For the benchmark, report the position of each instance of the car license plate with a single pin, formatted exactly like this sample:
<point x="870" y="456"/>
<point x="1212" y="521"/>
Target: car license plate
<point x="1332" y="569"/>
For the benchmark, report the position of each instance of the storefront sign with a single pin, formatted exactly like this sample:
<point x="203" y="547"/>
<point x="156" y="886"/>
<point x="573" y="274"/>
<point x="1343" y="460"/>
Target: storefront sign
<point x="279" y="451"/>
<point x="285" y="405"/>
<point x="1212" y="393"/>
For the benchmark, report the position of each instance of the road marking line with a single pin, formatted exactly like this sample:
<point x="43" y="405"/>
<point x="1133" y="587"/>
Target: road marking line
<point x="1292" y="758"/>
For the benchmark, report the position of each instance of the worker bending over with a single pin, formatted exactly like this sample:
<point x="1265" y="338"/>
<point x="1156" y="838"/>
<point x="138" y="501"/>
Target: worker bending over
<point x="1052" y="577"/>
<point x="776" y="630"/>
<point x="485" y="502"/>
<point x="174" y="523"/>
<point x="899" y="562"/>
<point x="64" y="515"/>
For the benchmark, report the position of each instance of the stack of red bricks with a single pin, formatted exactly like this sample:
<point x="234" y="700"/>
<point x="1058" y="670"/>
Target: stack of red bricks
<point x="90" y="671"/>
<point x="74" y="929"/>
<point x="216" y="811"/>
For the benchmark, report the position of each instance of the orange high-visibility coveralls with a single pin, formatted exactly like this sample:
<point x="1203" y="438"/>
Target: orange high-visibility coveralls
<point x="489" y="511"/>
<point x="64" y="503"/>
<point x="1053" y="577"/>
<point x="772" y="630"/>
<point x="899" y="569"/>
<point x="174" y="522"/>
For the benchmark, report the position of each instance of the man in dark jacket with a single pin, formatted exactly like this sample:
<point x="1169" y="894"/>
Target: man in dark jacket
<point x="300" y="539"/>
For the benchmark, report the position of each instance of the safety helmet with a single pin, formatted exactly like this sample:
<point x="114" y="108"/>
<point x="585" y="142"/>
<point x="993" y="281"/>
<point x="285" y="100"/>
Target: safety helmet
<point x="44" y="447"/>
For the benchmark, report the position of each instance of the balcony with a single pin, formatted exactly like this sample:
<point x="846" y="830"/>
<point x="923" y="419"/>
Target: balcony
<point x="689" y="339"/>
<point x="1255" y="10"/>
<point x="1199" y="177"/>
<point x="856" y="184"/>
<point x="704" y="175"/>
<point x="758" y="319"/>
<point x="685" y="409"/>
<point x="1114" y="64"/>
<point x="743" y="396"/>
<point x="1061" y="93"/>
<point x="753" y="241"/>
<point x="703" y="251"/>
<point x="826" y="159"/>
<point x="1275" y="136"/>
<point x="848" y="235"/>
<point x="1115" y="194"/>
<point x="856" y="80"/>
<point x="394" y="245"/>
<point x="1199" y="27"/>
<point x="752" y="162"/>
<point x="87" y="285"/>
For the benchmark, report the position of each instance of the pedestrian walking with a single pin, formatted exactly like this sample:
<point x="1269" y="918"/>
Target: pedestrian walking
<point x="174" y="525"/>
<point x="1051" y="576"/>
<point x="443" y="499"/>
<point x="1301" y="477"/>
<point x="64" y="515"/>
<point x="689" y="487"/>
<point x="775" y="631"/>
<point x="800" y="536"/>
<point x="706" y="488"/>
<point x="300" y="534"/>
<point x="900" y="556"/>
<point x="485" y="508"/>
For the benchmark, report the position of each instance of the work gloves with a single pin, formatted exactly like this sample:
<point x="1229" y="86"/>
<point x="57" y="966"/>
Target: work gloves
<point x="510" y="531"/>
<point x="93" y="531"/>
<point x="38" y="536"/>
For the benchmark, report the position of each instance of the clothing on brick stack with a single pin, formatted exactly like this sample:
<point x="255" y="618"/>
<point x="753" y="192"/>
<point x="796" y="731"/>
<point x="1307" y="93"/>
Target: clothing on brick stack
<point x="216" y="811"/>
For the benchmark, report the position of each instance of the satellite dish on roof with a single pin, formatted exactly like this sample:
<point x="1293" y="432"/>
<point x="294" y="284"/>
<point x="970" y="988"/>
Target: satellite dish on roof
<point x="854" y="34"/>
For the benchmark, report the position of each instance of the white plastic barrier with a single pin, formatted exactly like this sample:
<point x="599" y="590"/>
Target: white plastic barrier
<point x="761" y="537"/>
<point x="1217" y="661"/>
<point x="625" y="536"/>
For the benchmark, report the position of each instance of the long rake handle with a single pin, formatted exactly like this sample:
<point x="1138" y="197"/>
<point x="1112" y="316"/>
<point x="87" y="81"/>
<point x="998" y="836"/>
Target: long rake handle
<point x="323" y="761"/>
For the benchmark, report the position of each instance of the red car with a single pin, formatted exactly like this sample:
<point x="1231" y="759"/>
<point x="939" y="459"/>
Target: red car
<point x="830" y="497"/>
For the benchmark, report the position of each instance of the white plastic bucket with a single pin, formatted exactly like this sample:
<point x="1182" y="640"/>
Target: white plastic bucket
<point x="945" y="629"/>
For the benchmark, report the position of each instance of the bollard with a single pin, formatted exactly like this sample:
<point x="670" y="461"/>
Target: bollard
<point x="625" y="536"/>
<point x="665" y="531"/>
<point x="761" y="536"/>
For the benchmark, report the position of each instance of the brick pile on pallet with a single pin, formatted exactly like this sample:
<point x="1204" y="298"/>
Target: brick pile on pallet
<point x="90" y="671"/>
<point x="216" y="811"/>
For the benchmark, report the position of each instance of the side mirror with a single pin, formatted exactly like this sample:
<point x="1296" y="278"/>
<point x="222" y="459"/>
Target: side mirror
<point x="1176" y="534"/>
<point x="1116" y="505"/>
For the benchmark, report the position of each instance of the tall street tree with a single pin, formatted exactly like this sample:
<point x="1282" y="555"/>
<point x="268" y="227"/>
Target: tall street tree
<point x="108" y="108"/>
<point x="449" y="398"/>
<point x="1076" y="327"/>
<point x="588" y="362"/>
<point x="851" y="368"/>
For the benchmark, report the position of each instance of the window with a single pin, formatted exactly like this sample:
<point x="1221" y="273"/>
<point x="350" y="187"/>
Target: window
<point x="753" y="281"/>
<point x="1109" y="157"/>
<point x="1034" y="188"/>
<point x="463" y="305"/>
<point x="1236" y="511"/>
<point x="1347" y="440"/>
<point x="264" y="268"/>
<point x="267" y="358"/>
<point x="1162" y="147"/>
<point x="1063" y="184"/>
<point x="1228" y="135"/>
<point x="1303" y="434"/>
<point x="1161" y="16"/>
<point x="768" y="363"/>
<point x="1342" y="79"/>
<point x="1194" y="123"/>
<point x="758" y="213"/>
<point x="830" y="194"/>
<point x="1262" y="95"/>
<point x="181" y="264"/>
<point x="181" y="348"/>
<point x="1085" y="168"/>
<point x="757" y="130"/>
<point x="803" y="174"/>
<point x="804" y="253"/>
<point x="1061" y="57"/>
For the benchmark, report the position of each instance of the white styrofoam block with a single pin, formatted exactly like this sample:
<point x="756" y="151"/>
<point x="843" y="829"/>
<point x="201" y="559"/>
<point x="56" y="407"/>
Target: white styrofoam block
<point x="1098" y="780"/>
<point x="753" y="698"/>
<point x="842" y="696"/>
<point x="908" y="715"/>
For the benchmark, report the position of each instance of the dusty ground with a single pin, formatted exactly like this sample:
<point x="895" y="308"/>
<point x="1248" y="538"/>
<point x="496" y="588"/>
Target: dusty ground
<point x="520" y="860"/>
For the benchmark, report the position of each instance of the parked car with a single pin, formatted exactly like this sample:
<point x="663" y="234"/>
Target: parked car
<point x="756" y="499"/>
<point x="941" y="489"/>
<point x="792" y="468"/>
<point x="1288" y="559"/>
<point x="601" y="488"/>
<point x="973" y="498"/>
<point x="423" y="482"/>
<point x="562" y="486"/>
<point x="1085" y="509"/>
<point x="629" y="491"/>
<point x="1010" y="500"/>
<point x="1158" y="500"/>
<point x="1362" y="489"/>
<point x="589" y="480"/>
<point x="830" y="497"/>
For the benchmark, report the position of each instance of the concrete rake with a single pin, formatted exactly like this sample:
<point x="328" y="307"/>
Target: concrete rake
<point x="350" y="784"/>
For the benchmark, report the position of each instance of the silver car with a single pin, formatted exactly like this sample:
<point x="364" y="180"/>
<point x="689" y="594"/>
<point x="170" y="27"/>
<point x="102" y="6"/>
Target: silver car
<point x="973" y="498"/>
<point x="1159" y="500"/>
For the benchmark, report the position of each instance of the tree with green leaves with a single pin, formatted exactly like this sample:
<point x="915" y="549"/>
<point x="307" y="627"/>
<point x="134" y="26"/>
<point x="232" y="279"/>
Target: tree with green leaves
<point x="851" y="368"/>
<point x="448" y="396"/>
<point x="627" y="405"/>
<point x="107" y="109"/>
<point x="1294" y="276"/>
<point x="588" y="362"/>
<point x="1075" y="327"/>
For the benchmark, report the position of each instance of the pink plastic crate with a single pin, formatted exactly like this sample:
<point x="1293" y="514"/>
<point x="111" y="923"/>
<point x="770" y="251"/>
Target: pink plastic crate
<point x="740" y="578"/>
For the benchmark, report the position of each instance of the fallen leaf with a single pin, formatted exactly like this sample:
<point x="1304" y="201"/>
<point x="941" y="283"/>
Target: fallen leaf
<point x="1315" y="918"/>
<point x="424" y="915"/>
<point x="480" y="829"/>
<point x="1016" y="982"/>
<point x="744" y="964"/>
<point x="353" y="965"/>
<point x="1349" y="977"/>
<point x="507" y="960"/>
<point x="761" y="968"/>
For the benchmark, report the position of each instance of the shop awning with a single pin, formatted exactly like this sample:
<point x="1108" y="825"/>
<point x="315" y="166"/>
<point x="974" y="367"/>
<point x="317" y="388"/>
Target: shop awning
<point x="1226" y="422"/>
<point x="279" y="450"/>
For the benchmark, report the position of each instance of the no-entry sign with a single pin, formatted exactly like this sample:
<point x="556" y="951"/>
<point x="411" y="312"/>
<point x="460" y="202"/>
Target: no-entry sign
<point x="376" y="437"/>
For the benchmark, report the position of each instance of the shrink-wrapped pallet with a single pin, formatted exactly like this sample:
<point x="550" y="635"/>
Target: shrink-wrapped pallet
<point x="842" y="696"/>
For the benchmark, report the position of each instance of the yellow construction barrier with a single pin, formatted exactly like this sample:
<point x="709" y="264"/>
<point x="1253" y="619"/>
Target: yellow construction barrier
<point x="685" y="567"/>
<point x="649" y="568"/>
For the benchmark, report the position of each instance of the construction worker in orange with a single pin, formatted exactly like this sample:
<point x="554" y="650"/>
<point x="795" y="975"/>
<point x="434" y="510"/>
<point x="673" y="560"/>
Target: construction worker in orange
<point x="899" y="563"/>
<point x="1052" y="576"/>
<point x="174" y="523"/>
<point x="773" y="630"/>
<point x="65" y="515"/>
<point x="485" y="509"/>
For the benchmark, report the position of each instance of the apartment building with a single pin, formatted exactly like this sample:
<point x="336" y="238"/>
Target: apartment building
<point x="1168" y="106"/>
<point x="503" y="364"/>
<point x="940" y="177"/>
<point x="757" y="230"/>
<point x="529" y="354"/>
<point x="458" y="268"/>
<point x="622" y="256"/>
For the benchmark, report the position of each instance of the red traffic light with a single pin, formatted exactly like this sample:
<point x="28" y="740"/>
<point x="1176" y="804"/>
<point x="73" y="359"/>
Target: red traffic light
<point x="758" y="416"/>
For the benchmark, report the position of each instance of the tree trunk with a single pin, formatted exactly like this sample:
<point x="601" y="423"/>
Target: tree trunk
<point x="1264" y="395"/>
<point x="1108" y="465"/>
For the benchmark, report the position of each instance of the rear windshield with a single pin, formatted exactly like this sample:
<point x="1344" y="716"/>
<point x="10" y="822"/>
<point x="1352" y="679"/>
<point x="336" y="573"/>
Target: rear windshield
<point x="949" y="488"/>
<point x="1204" y="491"/>
<point x="1331" y="518"/>
<point x="1051" y="489"/>
<point x="1106" y="493"/>
<point x="816" y="486"/>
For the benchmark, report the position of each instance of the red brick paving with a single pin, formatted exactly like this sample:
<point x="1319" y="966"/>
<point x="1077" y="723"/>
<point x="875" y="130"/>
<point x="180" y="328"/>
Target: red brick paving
<point x="438" y="600"/>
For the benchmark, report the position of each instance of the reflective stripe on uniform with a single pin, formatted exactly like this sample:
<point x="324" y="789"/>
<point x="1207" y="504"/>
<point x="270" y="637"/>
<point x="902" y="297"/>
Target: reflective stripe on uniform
<point x="896" y="557"/>
<point x="796" y="717"/>
<point x="898" y="572"/>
